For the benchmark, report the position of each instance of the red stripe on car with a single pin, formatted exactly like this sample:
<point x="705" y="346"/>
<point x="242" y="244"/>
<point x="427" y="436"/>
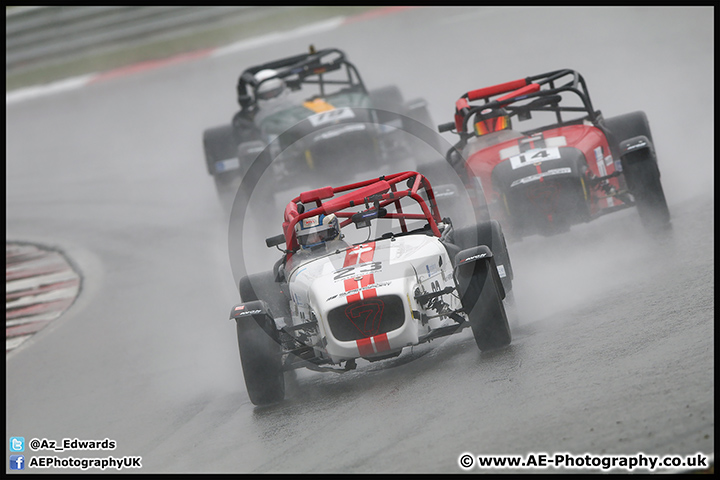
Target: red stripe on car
<point x="351" y="257"/>
<point x="359" y="255"/>
<point x="368" y="280"/>
<point x="381" y="343"/>
<point x="364" y="346"/>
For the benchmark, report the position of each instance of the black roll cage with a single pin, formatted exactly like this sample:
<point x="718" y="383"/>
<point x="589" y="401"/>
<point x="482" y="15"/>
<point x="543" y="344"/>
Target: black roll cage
<point x="298" y="70"/>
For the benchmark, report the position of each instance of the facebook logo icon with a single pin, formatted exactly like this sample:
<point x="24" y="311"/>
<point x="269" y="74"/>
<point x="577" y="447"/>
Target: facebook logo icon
<point x="17" y="462"/>
<point x="17" y="444"/>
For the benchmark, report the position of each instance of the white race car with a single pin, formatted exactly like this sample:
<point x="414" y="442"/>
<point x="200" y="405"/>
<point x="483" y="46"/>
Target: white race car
<point x="410" y="278"/>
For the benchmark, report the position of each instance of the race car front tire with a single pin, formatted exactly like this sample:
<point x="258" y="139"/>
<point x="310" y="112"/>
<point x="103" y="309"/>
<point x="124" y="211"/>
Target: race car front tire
<point x="480" y="289"/>
<point x="643" y="178"/>
<point x="219" y="144"/>
<point x="488" y="233"/>
<point x="641" y="169"/>
<point x="261" y="358"/>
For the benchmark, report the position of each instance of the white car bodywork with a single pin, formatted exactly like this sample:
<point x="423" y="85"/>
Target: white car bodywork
<point x="363" y="296"/>
<point x="329" y="302"/>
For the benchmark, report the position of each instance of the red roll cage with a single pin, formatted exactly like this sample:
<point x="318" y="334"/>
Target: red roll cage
<point x="522" y="96"/>
<point x="370" y="196"/>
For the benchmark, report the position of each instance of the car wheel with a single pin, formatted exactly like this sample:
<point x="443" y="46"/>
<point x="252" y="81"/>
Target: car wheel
<point x="481" y="298"/>
<point x="261" y="358"/>
<point x="641" y="170"/>
<point x="258" y="339"/>
<point x="219" y="144"/>
<point x="627" y="126"/>
<point x="490" y="234"/>
<point x="643" y="177"/>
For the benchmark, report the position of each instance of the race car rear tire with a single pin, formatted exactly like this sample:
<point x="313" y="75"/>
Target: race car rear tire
<point x="480" y="290"/>
<point x="261" y="358"/>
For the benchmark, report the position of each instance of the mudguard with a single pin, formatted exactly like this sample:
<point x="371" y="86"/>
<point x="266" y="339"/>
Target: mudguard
<point x="466" y="266"/>
<point x="634" y="144"/>
<point x="471" y="268"/>
<point x="490" y="235"/>
<point x="473" y="254"/>
<point x="259" y="312"/>
<point x="250" y="309"/>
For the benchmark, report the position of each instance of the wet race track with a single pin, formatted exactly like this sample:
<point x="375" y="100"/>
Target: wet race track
<point x="612" y="350"/>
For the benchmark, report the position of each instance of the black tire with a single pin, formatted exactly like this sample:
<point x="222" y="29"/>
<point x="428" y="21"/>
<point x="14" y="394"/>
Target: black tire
<point x="642" y="173"/>
<point x="488" y="233"/>
<point x="261" y="358"/>
<point x="643" y="178"/>
<point x="626" y="126"/>
<point x="219" y="143"/>
<point x="481" y="299"/>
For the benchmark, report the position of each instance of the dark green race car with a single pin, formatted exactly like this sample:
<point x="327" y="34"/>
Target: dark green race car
<point x="316" y="123"/>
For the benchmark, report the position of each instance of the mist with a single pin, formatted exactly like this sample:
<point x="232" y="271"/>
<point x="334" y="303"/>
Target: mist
<point x="612" y="350"/>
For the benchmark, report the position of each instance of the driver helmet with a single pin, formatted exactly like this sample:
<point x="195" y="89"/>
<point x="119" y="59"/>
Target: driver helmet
<point x="492" y="120"/>
<point x="271" y="88"/>
<point x="317" y="230"/>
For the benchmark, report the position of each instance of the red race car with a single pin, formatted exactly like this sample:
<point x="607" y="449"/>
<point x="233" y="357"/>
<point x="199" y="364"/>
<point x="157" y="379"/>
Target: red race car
<point x="570" y="166"/>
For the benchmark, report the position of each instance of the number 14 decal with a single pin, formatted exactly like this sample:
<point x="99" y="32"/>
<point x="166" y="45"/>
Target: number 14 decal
<point x="534" y="156"/>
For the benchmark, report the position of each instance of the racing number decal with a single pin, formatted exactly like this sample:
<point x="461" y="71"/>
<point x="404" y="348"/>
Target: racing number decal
<point x="534" y="156"/>
<point x="330" y="116"/>
<point x="357" y="271"/>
